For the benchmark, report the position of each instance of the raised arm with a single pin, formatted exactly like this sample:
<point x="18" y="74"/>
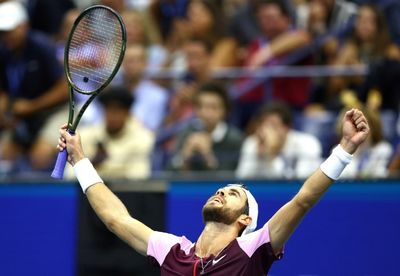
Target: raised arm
<point x="284" y="222"/>
<point x="105" y="203"/>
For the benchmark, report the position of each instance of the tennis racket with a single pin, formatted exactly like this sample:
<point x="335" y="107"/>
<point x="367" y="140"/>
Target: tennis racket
<point x="93" y="55"/>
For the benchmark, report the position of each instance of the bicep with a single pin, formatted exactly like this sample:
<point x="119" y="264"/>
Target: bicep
<point x="117" y="218"/>
<point x="284" y="222"/>
<point x="133" y="232"/>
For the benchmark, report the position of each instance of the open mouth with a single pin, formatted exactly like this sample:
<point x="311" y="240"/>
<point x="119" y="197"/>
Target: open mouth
<point x="217" y="199"/>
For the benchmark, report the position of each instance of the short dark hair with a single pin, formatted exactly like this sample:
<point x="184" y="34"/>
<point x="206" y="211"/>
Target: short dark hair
<point x="278" y="108"/>
<point x="205" y="43"/>
<point x="217" y="90"/>
<point x="278" y="3"/>
<point x="119" y="95"/>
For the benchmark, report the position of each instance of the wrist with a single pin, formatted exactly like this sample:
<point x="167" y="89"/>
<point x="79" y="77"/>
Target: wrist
<point x="348" y="146"/>
<point x="86" y="174"/>
<point x="334" y="165"/>
<point x="75" y="158"/>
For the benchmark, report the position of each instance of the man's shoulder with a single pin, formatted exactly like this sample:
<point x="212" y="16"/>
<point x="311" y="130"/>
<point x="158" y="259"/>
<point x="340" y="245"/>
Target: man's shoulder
<point x="162" y="241"/>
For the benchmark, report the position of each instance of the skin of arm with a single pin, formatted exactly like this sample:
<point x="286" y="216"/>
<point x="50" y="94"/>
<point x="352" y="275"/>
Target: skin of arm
<point x="55" y="95"/>
<point x="281" y="45"/>
<point x="286" y="219"/>
<point x="224" y="54"/>
<point x="105" y="203"/>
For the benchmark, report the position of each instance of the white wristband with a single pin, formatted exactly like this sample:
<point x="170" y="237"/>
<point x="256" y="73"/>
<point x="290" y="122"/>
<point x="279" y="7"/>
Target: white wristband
<point x="86" y="174"/>
<point x="334" y="165"/>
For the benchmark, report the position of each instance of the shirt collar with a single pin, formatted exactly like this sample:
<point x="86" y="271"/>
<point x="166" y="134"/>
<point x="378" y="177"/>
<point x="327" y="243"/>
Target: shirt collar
<point x="219" y="132"/>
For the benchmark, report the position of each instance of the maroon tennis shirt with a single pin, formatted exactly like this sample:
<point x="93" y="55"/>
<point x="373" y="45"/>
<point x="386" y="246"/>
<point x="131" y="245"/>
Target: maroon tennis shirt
<point x="248" y="255"/>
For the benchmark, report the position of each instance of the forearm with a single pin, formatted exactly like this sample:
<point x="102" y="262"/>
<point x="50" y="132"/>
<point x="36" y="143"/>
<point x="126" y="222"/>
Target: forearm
<point x="319" y="182"/>
<point x="106" y="204"/>
<point x="57" y="94"/>
<point x="289" y="42"/>
<point x="111" y="210"/>
<point x="313" y="189"/>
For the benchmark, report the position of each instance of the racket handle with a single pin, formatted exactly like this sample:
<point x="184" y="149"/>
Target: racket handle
<point x="58" y="171"/>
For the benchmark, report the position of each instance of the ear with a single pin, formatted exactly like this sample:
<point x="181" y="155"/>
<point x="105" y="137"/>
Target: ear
<point x="244" y="220"/>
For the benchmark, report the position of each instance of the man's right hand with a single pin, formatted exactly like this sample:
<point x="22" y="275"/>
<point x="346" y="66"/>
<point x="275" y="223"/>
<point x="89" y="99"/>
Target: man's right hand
<point x="72" y="143"/>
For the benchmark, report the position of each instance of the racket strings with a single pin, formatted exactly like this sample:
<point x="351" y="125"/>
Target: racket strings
<point x="95" y="49"/>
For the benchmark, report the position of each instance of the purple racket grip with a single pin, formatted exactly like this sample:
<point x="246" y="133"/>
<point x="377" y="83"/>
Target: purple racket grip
<point x="58" y="171"/>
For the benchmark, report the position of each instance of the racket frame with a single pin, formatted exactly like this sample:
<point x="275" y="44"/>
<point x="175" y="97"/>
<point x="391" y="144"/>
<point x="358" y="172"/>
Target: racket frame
<point x="73" y="124"/>
<point x="58" y="170"/>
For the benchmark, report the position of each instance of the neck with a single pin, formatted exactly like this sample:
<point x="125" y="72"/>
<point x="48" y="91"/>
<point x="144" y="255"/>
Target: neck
<point x="214" y="238"/>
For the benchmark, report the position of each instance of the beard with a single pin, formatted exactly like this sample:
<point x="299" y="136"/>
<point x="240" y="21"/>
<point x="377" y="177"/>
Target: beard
<point x="220" y="214"/>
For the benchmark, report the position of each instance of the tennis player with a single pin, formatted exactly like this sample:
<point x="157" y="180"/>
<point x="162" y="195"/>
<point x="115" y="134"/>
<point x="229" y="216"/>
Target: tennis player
<point x="228" y="244"/>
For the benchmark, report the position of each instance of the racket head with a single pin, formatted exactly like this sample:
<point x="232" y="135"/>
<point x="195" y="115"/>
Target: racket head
<point x="95" y="49"/>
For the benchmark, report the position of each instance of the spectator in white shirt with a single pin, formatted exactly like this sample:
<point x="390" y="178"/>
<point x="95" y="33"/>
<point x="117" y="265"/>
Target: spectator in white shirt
<point x="275" y="150"/>
<point x="150" y="98"/>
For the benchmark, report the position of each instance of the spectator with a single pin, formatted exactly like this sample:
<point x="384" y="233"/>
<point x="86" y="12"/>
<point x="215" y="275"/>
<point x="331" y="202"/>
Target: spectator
<point x="243" y="25"/>
<point x="277" y="34"/>
<point x="208" y="143"/>
<point x="328" y="21"/>
<point x="368" y="44"/>
<point x="31" y="87"/>
<point x="150" y="98"/>
<point x="325" y="16"/>
<point x="198" y="56"/>
<point x="119" y="146"/>
<point x="275" y="150"/>
<point x="141" y="29"/>
<point x="372" y="159"/>
<point x="278" y="40"/>
<point x="166" y="13"/>
<point x="206" y="21"/>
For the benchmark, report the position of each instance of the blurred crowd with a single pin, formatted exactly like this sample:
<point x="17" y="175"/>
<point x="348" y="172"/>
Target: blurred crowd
<point x="242" y="88"/>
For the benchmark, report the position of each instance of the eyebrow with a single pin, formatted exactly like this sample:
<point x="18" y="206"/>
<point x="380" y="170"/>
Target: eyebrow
<point x="235" y="191"/>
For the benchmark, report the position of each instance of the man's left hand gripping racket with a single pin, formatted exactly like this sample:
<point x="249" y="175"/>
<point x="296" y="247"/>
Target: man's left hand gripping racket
<point x="93" y="55"/>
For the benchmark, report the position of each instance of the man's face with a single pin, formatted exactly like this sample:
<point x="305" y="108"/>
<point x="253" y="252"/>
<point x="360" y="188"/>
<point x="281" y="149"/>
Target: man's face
<point x="210" y="109"/>
<point x="274" y="121"/>
<point x="14" y="39"/>
<point x="271" y="20"/>
<point x="135" y="31"/>
<point x="135" y="61"/>
<point x="225" y="206"/>
<point x="200" y="19"/>
<point x="197" y="57"/>
<point x="366" y="25"/>
<point x="115" y="117"/>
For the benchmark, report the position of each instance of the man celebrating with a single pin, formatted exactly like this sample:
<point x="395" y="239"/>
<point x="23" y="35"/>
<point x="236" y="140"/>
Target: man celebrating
<point x="227" y="245"/>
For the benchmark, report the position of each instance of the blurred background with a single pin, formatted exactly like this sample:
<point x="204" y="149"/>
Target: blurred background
<point x="209" y="92"/>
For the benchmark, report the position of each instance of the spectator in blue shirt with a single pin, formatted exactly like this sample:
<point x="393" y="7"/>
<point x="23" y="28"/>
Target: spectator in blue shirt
<point x="31" y="86"/>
